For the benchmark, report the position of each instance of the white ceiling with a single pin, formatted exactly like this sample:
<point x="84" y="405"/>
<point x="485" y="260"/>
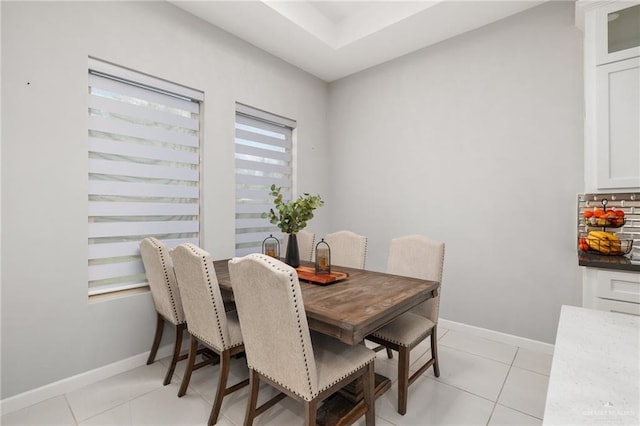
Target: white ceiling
<point x="332" y="39"/>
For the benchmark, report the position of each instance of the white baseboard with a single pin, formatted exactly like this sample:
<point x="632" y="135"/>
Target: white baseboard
<point x="497" y="336"/>
<point x="78" y="381"/>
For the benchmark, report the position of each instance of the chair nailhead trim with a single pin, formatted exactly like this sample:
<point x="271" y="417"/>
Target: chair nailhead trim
<point x="163" y="260"/>
<point x="300" y="332"/>
<point x="364" y="258"/>
<point x="213" y="345"/>
<point x="196" y="250"/>
<point x="349" y="373"/>
<point x="319" y="391"/>
<point x="440" y="289"/>
<point x="399" y="343"/>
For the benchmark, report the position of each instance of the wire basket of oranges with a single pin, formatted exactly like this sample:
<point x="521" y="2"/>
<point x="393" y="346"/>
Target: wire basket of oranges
<point x="604" y="218"/>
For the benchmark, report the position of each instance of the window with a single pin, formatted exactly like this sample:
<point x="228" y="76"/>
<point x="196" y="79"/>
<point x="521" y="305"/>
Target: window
<point x="144" y="171"/>
<point x="263" y="157"/>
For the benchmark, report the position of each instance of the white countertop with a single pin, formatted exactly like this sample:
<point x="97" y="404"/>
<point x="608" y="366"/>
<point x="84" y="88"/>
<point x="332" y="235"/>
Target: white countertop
<point x="595" y="374"/>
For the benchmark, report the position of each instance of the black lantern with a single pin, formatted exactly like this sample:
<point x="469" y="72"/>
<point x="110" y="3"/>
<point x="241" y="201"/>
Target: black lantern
<point x="271" y="246"/>
<point x="323" y="258"/>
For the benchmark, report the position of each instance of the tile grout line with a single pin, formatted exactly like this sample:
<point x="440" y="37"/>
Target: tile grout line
<point x="104" y="411"/>
<point x="531" y="371"/>
<point x="478" y="355"/>
<point x="503" y="383"/>
<point x="435" y="379"/>
<point x="64" y="395"/>
<point x="519" y="411"/>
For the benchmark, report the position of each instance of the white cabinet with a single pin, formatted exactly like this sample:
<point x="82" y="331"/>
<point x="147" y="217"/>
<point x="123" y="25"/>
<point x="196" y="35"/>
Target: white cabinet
<point x="612" y="129"/>
<point x="618" y="124"/>
<point x="612" y="291"/>
<point x="612" y="94"/>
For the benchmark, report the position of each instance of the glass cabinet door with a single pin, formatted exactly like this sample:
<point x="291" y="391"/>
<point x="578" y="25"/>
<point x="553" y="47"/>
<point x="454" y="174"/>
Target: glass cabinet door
<point x="618" y="31"/>
<point x="623" y="29"/>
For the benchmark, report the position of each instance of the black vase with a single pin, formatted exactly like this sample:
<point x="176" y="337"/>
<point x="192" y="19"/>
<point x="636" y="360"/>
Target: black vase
<point x="292" y="257"/>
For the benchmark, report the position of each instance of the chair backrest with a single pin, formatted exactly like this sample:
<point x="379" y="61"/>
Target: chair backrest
<point x="306" y="242"/>
<point x="201" y="297"/>
<point x="274" y="323"/>
<point x="417" y="256"/>
<point x="162" y="280"/>
<point x="347" y="249"/>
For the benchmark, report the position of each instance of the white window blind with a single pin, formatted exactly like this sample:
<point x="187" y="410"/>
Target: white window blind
<point x="144" y="172"/>
<point x="264" y="157"/>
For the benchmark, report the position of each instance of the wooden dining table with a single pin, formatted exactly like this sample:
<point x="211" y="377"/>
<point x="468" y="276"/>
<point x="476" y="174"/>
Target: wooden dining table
<point x="353" y="308"/>
<point x="350" y="310"/>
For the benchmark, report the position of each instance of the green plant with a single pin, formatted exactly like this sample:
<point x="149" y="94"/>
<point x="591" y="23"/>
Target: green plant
<point x="292" y="216"/>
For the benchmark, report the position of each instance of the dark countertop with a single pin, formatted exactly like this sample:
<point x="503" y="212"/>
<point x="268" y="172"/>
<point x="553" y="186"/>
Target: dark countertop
<point x="619" y="263"/>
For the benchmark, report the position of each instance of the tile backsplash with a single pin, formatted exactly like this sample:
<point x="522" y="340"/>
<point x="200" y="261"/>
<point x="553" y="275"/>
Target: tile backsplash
<point x="629" y="202"/>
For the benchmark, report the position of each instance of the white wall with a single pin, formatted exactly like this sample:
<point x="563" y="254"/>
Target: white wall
<point x="49" y="329"/>
<point x="477" y="142"/>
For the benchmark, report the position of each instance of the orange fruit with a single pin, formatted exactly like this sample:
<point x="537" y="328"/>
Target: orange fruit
<point x="588" y="213"/>
<point x="583" y="245"/>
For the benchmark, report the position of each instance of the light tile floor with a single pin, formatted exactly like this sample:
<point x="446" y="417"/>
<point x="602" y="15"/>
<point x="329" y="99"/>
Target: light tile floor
<point x="482" y="382"/>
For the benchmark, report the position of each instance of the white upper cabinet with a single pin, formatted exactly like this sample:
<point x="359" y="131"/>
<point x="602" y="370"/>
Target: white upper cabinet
<point x="617" y="32"/>
<point x="612" y="93"/>
<point x="618" y="124"/>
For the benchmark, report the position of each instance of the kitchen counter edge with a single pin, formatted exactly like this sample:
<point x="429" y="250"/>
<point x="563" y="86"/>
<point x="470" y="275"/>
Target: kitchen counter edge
<point x="618" y="263"/>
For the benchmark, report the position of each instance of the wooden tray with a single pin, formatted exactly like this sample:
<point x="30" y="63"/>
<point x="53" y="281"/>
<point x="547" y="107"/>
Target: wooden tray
<point x="309" y="274"/>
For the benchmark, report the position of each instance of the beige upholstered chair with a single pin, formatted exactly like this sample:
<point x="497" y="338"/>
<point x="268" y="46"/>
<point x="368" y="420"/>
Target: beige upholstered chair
<point x="418" y="257"/>
<point x="280" y="349"/>
<point x="208" y="323"/>
<point x="166" y="298"/>
<point x="306" y="242"/>
<point x="347" y="249"/>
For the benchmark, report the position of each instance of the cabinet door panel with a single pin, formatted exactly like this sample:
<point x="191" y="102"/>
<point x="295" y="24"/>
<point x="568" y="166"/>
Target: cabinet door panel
<point x="622" y="287"/>
<point x="617" y="306"/>
<point x="618" y="123"/>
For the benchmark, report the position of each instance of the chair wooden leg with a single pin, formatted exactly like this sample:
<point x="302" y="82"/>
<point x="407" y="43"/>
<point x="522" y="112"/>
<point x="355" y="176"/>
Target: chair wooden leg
<point x="157" y="338"/>
<point x="310" y="412"/>
<point x="369" y="379"/>
<point x="176" y="353"/>
<point x="403" y="378"/>
<point x="225" y="365"/>
<point x="193" y="352"/>
<point x="254" y="384"/>
<point x="389" y="354"/>
<point x="434" y="351"/>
